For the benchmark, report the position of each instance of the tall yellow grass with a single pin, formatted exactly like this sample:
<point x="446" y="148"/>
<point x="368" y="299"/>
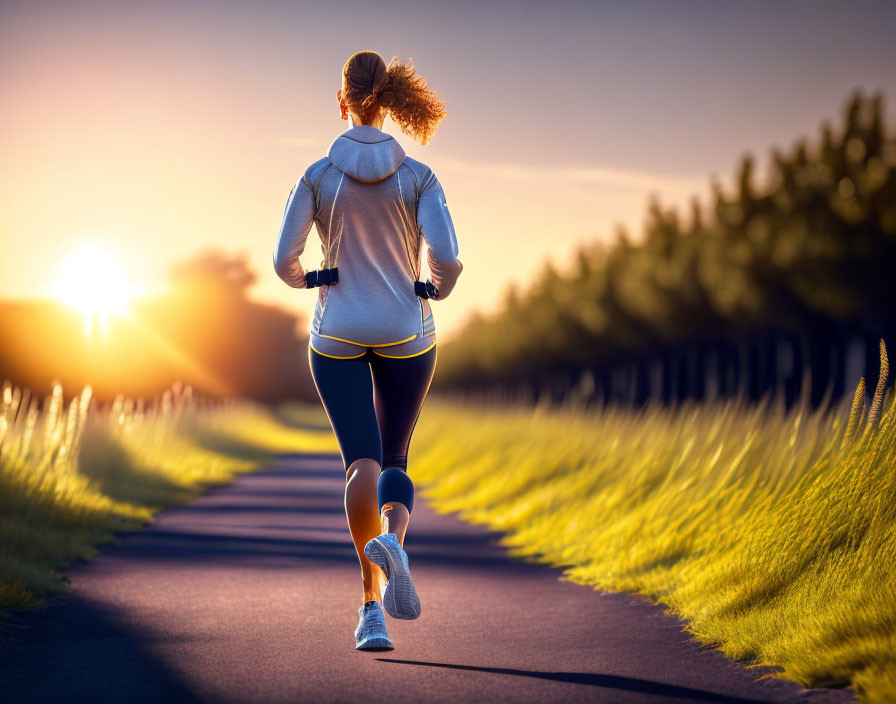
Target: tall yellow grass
<point x="772" y="532"/>
<point x="72" y="474"/>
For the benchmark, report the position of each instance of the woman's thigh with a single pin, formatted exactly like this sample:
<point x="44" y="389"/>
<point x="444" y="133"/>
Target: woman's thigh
<point x="345" y="388"/>
<point x="400" y="386"/>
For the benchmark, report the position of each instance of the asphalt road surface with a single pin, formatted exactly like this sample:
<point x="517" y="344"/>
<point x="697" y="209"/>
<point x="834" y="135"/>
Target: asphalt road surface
<point x="250" y="594"/>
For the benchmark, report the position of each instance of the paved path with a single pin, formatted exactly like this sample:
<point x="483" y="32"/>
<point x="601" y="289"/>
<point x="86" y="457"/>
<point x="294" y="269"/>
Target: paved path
<point x="250" y="594"/>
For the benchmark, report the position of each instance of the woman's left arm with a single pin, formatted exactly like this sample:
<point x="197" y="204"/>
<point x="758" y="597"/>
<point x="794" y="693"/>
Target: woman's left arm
<point x="297" y="220"/>
<point x="437" y="228"/>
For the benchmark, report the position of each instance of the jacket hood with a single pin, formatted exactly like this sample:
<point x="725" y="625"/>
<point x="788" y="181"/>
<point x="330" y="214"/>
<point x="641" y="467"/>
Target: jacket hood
<point x="366" y="154"/>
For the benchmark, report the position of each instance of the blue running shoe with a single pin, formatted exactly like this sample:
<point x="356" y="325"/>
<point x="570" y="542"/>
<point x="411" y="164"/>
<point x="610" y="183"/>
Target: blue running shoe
<point x="399" y="598"/>
<point x="371" y="631"/>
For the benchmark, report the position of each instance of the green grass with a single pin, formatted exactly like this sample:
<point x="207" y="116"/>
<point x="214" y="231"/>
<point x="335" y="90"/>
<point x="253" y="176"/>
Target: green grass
<point x="772" y="532"/>
<point x="769" y="531"/>
<point x="72" y="476"/>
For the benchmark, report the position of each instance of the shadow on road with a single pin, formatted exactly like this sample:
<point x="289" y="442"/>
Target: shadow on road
<point x="254" y="521"/>
<point x="75" y="651"/>
<point x="628" y="684"/>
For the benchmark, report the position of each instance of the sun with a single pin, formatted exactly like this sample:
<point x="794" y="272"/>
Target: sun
<point x="93" y="281"/>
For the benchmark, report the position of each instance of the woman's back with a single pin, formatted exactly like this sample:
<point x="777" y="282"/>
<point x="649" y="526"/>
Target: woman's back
<point x="373" y="207"/>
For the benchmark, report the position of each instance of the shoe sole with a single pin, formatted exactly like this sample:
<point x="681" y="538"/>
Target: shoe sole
<point x="400" y="598"/>
<point x="375" y="643"/>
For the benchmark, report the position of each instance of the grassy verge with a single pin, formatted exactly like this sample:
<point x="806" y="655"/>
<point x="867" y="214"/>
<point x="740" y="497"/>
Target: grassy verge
<point x="771" y="532"/>
<point x="72" y="475"/>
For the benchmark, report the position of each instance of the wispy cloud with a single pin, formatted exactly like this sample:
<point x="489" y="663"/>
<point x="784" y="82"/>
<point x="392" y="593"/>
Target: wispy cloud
<point x="610" y="178"/>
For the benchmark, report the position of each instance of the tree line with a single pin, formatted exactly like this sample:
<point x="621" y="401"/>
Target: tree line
<point x="784" y="282"/>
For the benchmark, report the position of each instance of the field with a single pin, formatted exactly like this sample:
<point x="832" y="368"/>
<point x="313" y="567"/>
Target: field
<point x="772" y="532"/>
<point x="72" y="475"/>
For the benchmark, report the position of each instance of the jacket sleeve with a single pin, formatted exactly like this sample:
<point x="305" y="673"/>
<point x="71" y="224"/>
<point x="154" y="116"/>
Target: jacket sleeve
<point x="435" y="224"/>
<point x="297" y="220"/>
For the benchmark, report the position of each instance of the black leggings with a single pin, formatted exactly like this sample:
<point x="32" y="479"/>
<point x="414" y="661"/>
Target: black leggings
<point x="373" y="403"/>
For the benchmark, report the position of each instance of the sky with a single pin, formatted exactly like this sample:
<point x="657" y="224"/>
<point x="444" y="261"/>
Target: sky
<point x="157" y="130"/>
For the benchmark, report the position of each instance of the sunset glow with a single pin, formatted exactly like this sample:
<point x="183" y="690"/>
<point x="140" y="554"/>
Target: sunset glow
<point x="196" y="145"/>
<point x="93" y="281"/>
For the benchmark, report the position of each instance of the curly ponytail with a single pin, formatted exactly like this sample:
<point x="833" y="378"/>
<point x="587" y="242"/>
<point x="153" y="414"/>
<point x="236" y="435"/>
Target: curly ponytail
<point x="369" y="84"/>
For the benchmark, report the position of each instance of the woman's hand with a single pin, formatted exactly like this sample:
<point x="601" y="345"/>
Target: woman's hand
<point x="444" y="274"/>
<point x="295" y="276"/>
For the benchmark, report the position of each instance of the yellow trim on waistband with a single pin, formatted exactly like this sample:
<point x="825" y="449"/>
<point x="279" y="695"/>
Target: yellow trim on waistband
<point x="364" y="344"/>
<point x="405" y="356"/>
<point x="333" y="356"/>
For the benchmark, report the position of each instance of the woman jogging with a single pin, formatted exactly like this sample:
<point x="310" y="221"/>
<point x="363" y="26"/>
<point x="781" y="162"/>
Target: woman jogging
<point x="372" y="342"/>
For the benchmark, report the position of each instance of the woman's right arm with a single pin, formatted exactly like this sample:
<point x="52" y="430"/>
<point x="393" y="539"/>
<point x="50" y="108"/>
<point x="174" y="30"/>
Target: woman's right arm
<point x="296" y="225"/>
<point x="435" y="223"/>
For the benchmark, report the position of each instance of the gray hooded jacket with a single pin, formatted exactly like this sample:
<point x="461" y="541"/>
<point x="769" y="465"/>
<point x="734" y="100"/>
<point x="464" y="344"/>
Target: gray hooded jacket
<point x="373" y="206"/>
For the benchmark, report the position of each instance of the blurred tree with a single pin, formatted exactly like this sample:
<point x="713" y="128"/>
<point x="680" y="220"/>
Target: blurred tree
<point x="765" y="284"/>
<point x="213" y="271"/>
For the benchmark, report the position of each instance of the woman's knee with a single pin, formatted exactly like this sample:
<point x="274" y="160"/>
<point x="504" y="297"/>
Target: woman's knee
<point x="366" y="470"/>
